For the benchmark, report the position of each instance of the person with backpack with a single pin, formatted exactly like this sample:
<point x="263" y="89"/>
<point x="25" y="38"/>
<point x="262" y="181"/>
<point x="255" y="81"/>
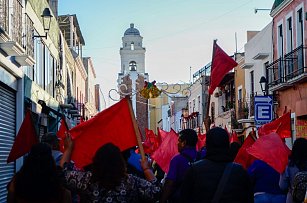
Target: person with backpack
<point x="179" y="165"/>
<point x="216" y="178"/>
<point x="293" y="179"/>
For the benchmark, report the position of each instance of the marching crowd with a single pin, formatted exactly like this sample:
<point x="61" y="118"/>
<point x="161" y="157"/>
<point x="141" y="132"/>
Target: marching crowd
<point x="208" y="175"/>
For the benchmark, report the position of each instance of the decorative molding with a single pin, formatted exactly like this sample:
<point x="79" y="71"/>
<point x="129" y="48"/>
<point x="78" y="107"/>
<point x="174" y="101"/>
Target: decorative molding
<point x="261" y="56"/>
<point x="247" y="65"/>
<point x="12" y="48"/>
<point x="25" y="60"/>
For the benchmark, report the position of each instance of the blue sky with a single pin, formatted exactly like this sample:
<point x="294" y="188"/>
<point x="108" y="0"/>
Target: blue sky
<point x="177" y="34"/>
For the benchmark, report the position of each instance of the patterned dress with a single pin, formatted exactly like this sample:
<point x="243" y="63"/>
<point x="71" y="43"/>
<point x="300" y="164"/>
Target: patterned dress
<point x="131" y="189"/>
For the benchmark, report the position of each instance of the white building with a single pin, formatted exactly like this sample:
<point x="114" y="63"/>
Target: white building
<point x="258" y="54"/>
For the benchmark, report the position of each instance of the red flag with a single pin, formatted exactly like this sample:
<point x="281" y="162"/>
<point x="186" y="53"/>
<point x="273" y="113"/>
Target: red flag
<point x="282" y="126"/>
<point x="25" y="139"/>
<point x="114" y="124"/>
<point x="234" y="137"/>
<point x="201" y="140"/>
<point x="151" y="142"/>
<point x="61" y="133"/>
<point x="162" y="134"/>
<point x="221" y="65"/>
<point x="244" y="158"/>
<point x="166" y="151"/>
<point x="272" y="150"/>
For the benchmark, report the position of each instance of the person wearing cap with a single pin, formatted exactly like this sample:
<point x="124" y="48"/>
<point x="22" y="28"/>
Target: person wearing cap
<point x="203" y="179"/>
<point x="52" y="139"/>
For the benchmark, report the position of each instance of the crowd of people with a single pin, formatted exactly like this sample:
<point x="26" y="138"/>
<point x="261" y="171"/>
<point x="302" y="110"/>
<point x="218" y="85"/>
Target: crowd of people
<point x="208" y="175"/>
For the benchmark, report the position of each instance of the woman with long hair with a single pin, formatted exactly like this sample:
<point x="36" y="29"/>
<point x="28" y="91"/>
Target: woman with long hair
<point x="297" y="162"/>
<point x="108" y="180"/>
<point x="37" y="181"/>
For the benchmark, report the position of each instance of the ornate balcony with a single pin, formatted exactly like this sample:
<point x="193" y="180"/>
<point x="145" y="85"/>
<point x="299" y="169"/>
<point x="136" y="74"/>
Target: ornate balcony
<point x="242" y="109"/>
<point x="287" y="70"/>
<point x="4" y="16"/>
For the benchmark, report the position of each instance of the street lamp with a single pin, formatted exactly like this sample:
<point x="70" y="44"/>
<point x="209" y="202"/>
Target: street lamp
<point x="263" y="83"/>
<point x="46" y="15"/>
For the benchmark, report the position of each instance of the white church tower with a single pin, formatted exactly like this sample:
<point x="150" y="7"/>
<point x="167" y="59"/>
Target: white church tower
<point x="132" y="73"/>
<point x="132" y="53"/>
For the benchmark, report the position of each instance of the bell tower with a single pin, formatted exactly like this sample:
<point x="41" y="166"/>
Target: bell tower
<point x="132" y="76"/>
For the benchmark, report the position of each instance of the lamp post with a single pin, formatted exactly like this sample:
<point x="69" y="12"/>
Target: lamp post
<point x="46" y="15"/>
<point x="263" y="84"/>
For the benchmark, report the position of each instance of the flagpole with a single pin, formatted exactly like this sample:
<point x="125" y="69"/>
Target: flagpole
<point x="207" y="121"/>
<point x="136" y="130"/>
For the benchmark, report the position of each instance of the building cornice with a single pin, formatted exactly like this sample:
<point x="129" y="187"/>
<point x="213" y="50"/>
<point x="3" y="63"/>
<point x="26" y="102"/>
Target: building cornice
<point x="279" y="8"/>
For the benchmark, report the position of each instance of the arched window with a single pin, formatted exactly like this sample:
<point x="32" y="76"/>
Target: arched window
<point x="132" y="66"/>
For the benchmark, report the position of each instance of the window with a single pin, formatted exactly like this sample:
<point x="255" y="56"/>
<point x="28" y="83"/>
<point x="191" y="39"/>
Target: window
<point x="193" y="105"/>
<point x="199" y="103"/>
<point x="132" y="46"/>
<point x="289" y="35"/>
<point x="300" y="41"/>
<point x="280" y="41"/>
<point x="240" y="95"/>
<point x="252" y="82"/>
<point x="39" y="66"/>
<point x="132" y="66"/>
<point x="299" y="27"/>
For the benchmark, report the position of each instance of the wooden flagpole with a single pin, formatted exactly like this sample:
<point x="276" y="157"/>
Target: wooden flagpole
<point x="136" y="129"/>
<point x="207" y="119"/>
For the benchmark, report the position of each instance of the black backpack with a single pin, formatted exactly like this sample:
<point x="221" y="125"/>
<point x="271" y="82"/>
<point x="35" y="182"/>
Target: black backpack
<point x="177" y="191"/>
<point x="299" y="186"/>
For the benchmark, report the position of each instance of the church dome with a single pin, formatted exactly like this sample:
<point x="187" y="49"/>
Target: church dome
<point x="132" y="31"/>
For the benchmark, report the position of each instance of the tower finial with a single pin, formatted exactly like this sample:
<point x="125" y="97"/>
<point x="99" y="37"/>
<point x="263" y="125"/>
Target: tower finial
<point x="131" y="25"/>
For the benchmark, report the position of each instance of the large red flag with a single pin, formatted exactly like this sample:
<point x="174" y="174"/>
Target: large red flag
<point x="151" y="142"/>
<point x="221" y="65"/>
<point x="61" y="133"/>
<point x="282" y="126"/>
<point x="114" y="124"/>
<point x="244" y="158"/>
<point x="25" y="139"/>
<point x="167" y="150"/>
<point x="272" y="150"/>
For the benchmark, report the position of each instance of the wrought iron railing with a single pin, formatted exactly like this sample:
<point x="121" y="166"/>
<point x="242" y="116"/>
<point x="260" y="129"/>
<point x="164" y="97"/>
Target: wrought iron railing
<point x="4" y="15"/>
<point x="287" y="67"/>
<point x="294" y="63"/>
<point x="242" y="109"/>
<point x="16" y="24"/>
<point x="28" y="43"/>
